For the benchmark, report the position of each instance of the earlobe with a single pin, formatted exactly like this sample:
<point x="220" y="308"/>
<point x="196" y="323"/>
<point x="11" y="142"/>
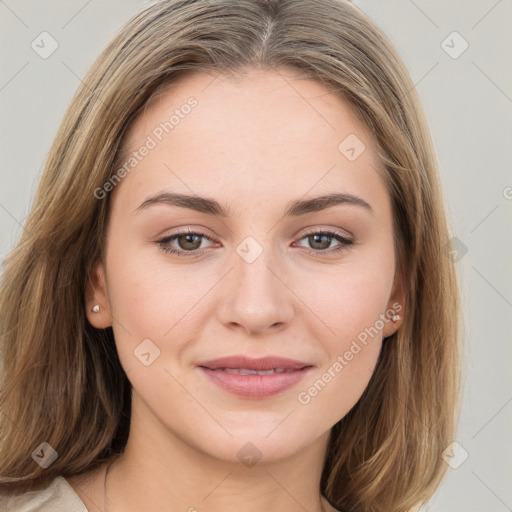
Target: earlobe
<point x="96" y="299"/>
<point x="395" y="311"/>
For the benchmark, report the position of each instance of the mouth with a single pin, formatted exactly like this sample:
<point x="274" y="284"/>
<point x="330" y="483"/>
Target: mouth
<point x="255" y="378"/>
<point x="248" y="371"/>
<point x="241" y="362"/>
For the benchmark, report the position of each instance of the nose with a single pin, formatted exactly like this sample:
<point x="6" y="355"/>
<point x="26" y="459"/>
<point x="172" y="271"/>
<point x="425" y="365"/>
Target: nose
<point x="256" y="295"/>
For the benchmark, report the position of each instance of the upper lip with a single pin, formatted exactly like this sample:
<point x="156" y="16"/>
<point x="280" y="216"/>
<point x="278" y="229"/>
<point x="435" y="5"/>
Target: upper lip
<point x="260" y="364"/>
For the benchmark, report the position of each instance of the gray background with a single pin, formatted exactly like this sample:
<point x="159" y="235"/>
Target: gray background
<point x="468" y="102"/>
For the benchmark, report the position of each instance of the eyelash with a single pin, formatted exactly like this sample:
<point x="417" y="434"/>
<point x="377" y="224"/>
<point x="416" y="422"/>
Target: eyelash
<point x="344" y="243"/>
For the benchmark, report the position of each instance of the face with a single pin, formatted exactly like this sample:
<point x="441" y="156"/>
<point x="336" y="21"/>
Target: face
<point x="250" y="271"/>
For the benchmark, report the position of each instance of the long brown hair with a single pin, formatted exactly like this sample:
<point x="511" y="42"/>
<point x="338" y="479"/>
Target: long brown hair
<point x="61" y="380"/>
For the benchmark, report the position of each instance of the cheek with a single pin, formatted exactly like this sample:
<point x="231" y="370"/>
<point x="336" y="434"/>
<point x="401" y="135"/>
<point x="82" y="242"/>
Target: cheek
<point x="146" y="293"/>
<point x="352" y="346"/>
<point x="154" y="300"/>
<point x="142" y="299"/>
<point x="349" y="301"/>
<point x="338" y="386"/>
<point x="350" y="307"/>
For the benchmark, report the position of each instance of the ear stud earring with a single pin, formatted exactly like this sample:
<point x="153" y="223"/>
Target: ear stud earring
<point x="95" y="308"/>
<point x="395" y="318"/>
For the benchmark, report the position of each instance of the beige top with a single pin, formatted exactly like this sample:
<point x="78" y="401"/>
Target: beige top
<point x="59" y="496"/>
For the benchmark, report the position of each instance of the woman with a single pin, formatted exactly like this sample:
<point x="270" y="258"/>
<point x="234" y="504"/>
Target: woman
<point x="232" y="291"/>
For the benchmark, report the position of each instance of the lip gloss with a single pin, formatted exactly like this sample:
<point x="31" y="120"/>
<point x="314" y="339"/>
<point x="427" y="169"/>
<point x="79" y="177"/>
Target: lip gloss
<point x="255" y="386"/>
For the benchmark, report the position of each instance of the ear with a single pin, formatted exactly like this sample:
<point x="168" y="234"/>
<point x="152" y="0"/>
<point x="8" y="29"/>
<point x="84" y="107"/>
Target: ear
<point x="96" y="294"/>
<point x="395" y="306"/>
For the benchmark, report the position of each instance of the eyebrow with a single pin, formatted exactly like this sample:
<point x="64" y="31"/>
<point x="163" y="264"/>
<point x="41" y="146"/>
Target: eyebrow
<point x="293" y="208"/>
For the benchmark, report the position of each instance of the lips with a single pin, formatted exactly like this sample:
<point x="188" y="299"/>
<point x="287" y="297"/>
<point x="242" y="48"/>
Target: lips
<point x="240" y="362"/>
<point x="247" y="371"/>
<point x="255" y="378"/>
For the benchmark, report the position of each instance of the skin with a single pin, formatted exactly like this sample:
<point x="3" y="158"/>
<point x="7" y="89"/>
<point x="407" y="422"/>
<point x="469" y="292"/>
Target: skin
<point x="253" y="144"/>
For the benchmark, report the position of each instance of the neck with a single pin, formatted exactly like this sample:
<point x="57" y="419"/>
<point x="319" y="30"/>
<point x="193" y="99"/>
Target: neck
<point x="190" y="481"/>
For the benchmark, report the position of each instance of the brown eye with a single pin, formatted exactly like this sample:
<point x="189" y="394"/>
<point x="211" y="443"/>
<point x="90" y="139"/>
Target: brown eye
<point x="320" y="242"/>
<point x="188" y="243"/>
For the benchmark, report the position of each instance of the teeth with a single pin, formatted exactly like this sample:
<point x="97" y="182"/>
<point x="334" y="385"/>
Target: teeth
<point x="245" y="371"/>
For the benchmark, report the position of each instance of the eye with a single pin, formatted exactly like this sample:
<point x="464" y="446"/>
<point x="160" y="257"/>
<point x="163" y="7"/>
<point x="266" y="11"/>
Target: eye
<point x="189" y="242"/>
<point x="320" y="241"/>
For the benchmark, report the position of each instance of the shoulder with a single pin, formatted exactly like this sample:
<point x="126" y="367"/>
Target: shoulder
<point x="59" y="496"/>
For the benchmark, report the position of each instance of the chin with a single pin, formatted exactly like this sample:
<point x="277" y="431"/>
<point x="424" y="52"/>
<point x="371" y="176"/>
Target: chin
<point x="252" y="447"/>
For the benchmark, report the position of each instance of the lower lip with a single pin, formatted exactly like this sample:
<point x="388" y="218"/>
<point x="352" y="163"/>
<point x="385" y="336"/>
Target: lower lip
<point x="255" y="386"/>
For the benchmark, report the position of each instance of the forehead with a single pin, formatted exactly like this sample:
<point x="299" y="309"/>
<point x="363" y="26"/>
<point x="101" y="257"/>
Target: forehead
<point x="268" y="133"/>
